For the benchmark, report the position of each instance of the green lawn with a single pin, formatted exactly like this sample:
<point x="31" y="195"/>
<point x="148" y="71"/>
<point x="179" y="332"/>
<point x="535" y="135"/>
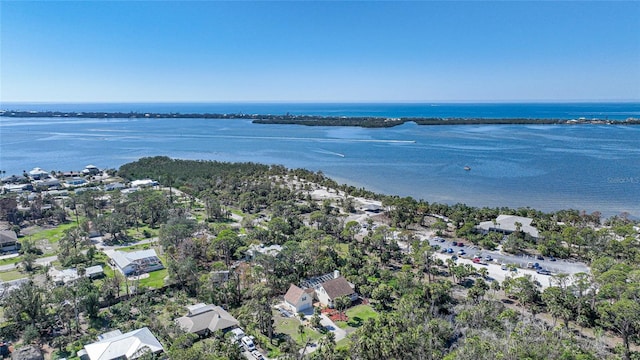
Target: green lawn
<point x="12" y="260"/>
<point x="52" y="235"/>
<point x="155" y="279"/>
<point x="357" y="316"/>
<point x="289" y="325"/>
<point x="136" y="247"/>
<point x="139" y="234"/>
<point x="343" y="344"/>
<point x="342" y="249"/>
<point x="12" y="275"/>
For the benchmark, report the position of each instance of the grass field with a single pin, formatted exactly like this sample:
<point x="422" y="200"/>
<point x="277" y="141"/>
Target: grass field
<point x="289" y="326"/>
<point x="357" y="316"/>
<point x="52" y="235"/>
<point x="155" y="279"/>
<point x="12" y="275"/>
<point x="12" y="260"/>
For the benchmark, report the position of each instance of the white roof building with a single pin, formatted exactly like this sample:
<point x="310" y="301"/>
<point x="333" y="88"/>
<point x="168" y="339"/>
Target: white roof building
<point x="116" y="345"/>
<point x="507" y="224"/>
<point x="68" y="275"/>
<point x="272" y="250"/>
<point x="142" y="261"/>
<point x="143" y="183"/>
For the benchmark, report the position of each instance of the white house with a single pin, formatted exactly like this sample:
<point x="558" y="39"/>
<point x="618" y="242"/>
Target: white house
<point x="91" y="170"/>
<point x="299" y="300"/>
<point x="115" y="345"/>
<point x="37" y="174"/>
<point x="69" y="275"/>
<point x="143" y="183"/>
<point x="506" y="224"/>
<point x="330" y="290"/>
<point x="254" y="250"/>
<point x="136" y="262"/>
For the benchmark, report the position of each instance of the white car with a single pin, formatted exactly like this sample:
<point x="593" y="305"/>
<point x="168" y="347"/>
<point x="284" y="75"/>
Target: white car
<point x="256" y="354"/>
<point x="248" y="344"/>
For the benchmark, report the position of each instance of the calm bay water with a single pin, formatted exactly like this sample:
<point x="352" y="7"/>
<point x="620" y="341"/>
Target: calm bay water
<point x="548" y="167"/>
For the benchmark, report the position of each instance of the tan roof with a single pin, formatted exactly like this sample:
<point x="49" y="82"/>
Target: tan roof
<point x="211" y="317"/>
<point x="294" y="293"/>
<point x="337" y="287"/>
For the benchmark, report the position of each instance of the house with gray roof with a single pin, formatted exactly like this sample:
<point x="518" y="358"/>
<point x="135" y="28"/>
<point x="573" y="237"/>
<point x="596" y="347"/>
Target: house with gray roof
<point x="9" y="241"/>
<point x="203" y="319"/>
<point x="506" y="224"/>
<point x="69" y="275"/>
<point x="115" y="345"/>
<point x="135" y="262"/>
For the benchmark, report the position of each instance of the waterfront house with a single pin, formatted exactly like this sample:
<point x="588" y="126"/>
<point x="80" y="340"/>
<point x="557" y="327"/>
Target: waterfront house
<point x="507" y="224"/>
<point x="203" y="319"/>
<point x="115" y="345"/>
<point x="90" y="170"/>
<point x="38" y="174"/>
<point x="136" y="262"/>
<point x="298" y="299"/>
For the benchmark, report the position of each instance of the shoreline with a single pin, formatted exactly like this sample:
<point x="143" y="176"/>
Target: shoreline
<point x="315" y="120"/>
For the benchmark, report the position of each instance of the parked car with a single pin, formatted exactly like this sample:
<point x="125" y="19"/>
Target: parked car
<point x="488" y="258"/>
<point x="460" y="244"/>
<point x="551" y="258"/>
<point x="450" y="250"/>
<point x="476" y="260"/>
<point x="248" y="344"/>
<point x="504" y="267"/>
<point x="539" y="257"/>
<point x="543" y="272"/>
<point x="461" y="252"/>
<point x="256" y="354"/>
<point x="454" y="243"/>
<point x="454" y="258"/>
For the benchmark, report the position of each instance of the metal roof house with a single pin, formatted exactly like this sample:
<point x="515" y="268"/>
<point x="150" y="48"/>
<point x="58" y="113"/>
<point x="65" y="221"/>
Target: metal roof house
<point x="115" y="345"/>
<point x="69" y="275"/>
<point x="204" y="319"/>
<point x="506" y="224"/>
<point x="136" y="262"/>
<point x="9" y="241"/>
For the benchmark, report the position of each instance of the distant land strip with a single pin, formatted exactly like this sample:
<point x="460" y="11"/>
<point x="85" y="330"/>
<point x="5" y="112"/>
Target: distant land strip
<point x="316" y="120"/>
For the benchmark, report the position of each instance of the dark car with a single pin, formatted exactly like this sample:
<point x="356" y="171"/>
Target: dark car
<point x="551" y="258"/>
<point x="454" y="243"/>
<point x="540" y="257"/>
<point x="460" y="244"/>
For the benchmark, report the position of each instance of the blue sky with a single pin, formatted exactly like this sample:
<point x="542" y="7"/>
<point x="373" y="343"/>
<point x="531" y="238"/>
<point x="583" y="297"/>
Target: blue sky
<point x="330" y="51"/>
